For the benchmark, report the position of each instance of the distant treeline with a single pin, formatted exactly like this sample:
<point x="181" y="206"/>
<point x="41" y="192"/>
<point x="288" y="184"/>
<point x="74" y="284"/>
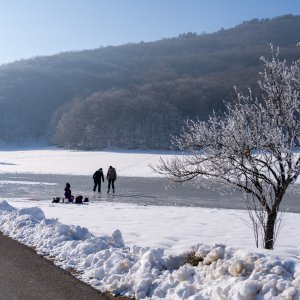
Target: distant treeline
<point x="135" y="95"/>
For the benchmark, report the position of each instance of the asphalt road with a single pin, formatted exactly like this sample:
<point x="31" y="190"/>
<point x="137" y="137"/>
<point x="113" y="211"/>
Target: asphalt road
<point x="26" y="275"/>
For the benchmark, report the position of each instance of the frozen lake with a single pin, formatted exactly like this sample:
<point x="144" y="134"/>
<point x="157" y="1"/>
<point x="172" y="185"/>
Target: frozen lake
<point x="139" y="190"/>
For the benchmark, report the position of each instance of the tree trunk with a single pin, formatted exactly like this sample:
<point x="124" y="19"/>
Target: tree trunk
<point x="270" y="228"/>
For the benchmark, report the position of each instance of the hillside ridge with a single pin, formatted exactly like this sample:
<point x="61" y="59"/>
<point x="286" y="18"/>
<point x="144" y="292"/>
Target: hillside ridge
<point x="138" y="94"/>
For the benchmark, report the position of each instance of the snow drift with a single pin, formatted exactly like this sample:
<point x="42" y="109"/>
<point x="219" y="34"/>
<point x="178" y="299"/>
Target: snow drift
<point x="108" y="264"/>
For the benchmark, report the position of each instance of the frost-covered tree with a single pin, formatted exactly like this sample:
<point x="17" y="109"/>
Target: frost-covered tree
<point x="252" y="147"/>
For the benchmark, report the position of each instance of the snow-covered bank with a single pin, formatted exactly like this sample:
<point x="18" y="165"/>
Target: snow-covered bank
<point x="108" y="262"/>
<point x="57" y="161"/>
<point x="173" y="228"/>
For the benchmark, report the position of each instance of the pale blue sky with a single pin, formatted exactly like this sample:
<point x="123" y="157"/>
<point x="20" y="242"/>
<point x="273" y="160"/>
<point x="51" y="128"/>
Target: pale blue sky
<point x="43" y="27"/>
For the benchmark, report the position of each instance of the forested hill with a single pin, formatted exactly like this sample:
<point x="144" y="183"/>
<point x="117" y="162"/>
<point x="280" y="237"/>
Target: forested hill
<point x="135" y="95"/>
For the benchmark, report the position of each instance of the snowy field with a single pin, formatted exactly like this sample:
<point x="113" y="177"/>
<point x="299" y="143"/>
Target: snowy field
<point x="137" y="250"/>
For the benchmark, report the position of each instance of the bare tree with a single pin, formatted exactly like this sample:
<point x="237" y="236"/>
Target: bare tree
<point x="252" y="147"/>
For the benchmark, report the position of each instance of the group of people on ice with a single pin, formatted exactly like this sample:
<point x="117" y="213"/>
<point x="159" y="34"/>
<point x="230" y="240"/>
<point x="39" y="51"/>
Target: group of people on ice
<point x="111" y="176"/>
<point x="98" y="177"/>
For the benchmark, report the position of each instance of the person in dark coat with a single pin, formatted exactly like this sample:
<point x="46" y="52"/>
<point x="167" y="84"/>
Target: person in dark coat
<point x="68" y="193"/>
<point x="111" y="177"/>
<point x="98" y="175"/>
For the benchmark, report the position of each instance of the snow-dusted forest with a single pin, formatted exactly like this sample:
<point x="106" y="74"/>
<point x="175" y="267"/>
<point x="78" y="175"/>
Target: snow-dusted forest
<point x="134" y="95"/>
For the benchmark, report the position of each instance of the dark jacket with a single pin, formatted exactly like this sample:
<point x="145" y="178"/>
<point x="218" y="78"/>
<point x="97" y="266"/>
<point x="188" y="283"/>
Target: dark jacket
<point x="111" y="173"/>
<point x="67" y="193"/>
<point x="98" y="175"/>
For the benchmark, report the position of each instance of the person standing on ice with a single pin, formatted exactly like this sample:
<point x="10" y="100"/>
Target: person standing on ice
<point x="111" y="177"/>
<point x="98" y="176"/>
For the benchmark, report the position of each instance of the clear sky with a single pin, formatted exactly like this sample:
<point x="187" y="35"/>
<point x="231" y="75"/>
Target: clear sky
<point x="42" y="27"/>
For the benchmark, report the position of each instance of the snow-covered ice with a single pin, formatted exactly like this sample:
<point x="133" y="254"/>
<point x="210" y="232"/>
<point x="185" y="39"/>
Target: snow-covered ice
<point x="58" y="161"/>
<point x="137" y="250"/>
